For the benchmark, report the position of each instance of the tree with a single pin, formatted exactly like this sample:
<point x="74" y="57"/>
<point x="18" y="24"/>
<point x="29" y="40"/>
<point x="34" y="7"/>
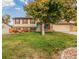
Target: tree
<point x="70" y="12"/>
<point x="6" y="19"/>
<point x="50" y="11"/>
<point x="70" y="15"/>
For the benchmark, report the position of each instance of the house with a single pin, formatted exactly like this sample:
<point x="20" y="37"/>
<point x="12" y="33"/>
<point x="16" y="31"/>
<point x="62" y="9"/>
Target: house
<point x="28" y="24"/>
<point x="5" y="28"/>
<point x="24" y="24"/>
<point x="64" y="26"/>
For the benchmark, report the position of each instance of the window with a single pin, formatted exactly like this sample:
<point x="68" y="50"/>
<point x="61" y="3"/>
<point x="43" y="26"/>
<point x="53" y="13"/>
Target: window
<point x="16" y="28"/>
<point x="25" y="21"/>
<point x="32" y="21"/>
<point x="17" y="21"/>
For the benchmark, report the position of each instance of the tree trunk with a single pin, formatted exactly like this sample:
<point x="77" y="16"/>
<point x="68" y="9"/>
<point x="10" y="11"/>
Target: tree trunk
<point x="43" y="29"/>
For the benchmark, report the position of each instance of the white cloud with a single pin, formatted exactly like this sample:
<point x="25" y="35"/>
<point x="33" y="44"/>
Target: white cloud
<point x="7" y="3"/>
<point x="25" y="1"/>
<point x="22" y="0"/>
<point x="17" y="8"/>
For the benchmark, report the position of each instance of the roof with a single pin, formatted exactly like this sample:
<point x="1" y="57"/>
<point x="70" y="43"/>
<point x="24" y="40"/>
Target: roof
<point x="30" y="17"/>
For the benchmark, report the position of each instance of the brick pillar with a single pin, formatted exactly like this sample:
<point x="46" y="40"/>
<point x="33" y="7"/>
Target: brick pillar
<point x="28" y="21"/>
<point x="71" y="27"/>
<point x="51" y="27"/>
<point x="21" y="21"/>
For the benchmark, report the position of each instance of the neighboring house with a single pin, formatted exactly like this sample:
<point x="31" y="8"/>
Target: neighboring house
<point x="5" y="28"/>
<point x="28" y="24"/>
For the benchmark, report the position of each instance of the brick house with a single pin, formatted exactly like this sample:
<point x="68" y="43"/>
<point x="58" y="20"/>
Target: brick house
<point x="28" y="24"/>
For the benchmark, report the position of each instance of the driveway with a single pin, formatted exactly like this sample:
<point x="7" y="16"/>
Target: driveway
<point x="74" y="33"/>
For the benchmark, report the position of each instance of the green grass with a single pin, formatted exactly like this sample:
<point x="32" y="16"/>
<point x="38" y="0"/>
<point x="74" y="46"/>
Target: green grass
<point x="22" y="45"/>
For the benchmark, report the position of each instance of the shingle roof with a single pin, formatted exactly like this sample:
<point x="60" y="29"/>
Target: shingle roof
<point x="23" y="17"/>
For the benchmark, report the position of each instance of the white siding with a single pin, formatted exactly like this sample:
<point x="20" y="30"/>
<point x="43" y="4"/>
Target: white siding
<point x="61" y="28"/>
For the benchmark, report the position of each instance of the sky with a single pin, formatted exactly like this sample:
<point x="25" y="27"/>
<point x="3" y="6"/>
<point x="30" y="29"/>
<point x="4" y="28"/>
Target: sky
<point x="14" y="8"/>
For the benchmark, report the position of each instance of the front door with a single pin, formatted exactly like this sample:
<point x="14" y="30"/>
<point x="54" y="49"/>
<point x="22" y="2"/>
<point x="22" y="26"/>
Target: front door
<point x="38" y="27"/>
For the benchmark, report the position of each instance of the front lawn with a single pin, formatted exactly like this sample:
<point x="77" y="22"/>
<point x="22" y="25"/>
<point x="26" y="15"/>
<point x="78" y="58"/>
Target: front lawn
<point x="31" y="44"/>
